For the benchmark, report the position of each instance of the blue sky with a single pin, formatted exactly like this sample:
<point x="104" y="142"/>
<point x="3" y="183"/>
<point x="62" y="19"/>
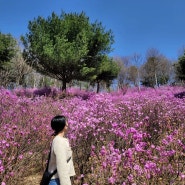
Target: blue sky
<point x="137" y="25"/>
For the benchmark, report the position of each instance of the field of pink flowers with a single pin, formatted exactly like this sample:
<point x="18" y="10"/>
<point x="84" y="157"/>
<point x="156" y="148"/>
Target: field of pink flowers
<point x="132" y="138"/>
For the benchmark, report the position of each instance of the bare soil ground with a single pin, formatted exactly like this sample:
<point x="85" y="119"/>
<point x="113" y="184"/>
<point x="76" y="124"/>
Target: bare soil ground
<point x="32" y="180"/>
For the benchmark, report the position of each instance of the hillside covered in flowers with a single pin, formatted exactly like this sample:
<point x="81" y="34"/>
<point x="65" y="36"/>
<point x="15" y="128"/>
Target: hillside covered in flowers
<point x="130" y="138"/>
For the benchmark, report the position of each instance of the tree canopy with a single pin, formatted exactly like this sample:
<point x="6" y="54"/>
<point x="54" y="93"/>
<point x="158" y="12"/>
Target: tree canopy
<point x="106" y="72"/>
<point x="155" y="70"/>
<point x="8" y="47"/>
<point x="180" y="68"/>
<point x="66" y="47"/>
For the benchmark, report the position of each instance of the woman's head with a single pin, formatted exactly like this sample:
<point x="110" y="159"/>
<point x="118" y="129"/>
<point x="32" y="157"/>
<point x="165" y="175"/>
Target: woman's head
<point x="58" y="123"/>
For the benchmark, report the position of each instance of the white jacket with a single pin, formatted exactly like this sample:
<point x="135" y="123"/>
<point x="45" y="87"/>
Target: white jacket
<point x="60" y="153"/>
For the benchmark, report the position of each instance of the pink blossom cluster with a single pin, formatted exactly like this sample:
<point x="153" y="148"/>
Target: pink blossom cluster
<point x="131" y="138"/>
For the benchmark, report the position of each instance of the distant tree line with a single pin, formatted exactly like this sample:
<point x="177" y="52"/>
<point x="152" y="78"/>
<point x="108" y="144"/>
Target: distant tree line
<point x="67" y="49"/>
<point x="152" y="71"/>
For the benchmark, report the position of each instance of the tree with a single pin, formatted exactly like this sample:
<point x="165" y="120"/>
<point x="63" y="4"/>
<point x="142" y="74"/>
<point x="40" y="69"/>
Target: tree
<point x="4" y="77"/>
<point x="180" y="68"/>
<point x="19" y="69"/>
<point x="137" y="60"/>
<point x="156" y="69"/>
<point x="106" y="72"/>
<point x="15" y="71"/>
<point x="66" y="47"/>
<point x="12" y="66"/>
<point x="133" y="75"/>
<point x="123" y="75"/>
<point x="8" y="47"/>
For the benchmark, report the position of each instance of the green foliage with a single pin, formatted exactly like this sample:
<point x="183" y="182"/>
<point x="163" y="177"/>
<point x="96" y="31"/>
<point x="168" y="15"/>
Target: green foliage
<point x="66" y="47"/>
<point x="107" y="71"/>
<point x="180" y="68"/>
<point x="7" y="48"/>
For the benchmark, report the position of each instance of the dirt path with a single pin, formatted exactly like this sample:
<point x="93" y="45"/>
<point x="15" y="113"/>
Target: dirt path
<point x="32" y="180"/>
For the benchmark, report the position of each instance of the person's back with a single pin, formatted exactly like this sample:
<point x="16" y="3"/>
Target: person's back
<point x="61" y="154"/>
<point x="61" y="159"/>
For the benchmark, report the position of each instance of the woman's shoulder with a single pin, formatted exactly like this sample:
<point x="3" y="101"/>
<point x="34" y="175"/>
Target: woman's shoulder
<point x="59" y="139"/>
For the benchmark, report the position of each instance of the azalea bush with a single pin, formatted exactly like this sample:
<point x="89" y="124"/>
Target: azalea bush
<point x="135" y="137"/>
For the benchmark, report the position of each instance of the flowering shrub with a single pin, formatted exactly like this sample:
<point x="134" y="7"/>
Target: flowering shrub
<point x="135" y="138"/>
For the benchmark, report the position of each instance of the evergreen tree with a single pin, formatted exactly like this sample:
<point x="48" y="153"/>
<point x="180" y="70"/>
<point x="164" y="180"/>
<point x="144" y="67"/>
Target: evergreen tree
<point x="180" y="68"/>
<point x="66" y="47"/>
<point x="8" y="48"/>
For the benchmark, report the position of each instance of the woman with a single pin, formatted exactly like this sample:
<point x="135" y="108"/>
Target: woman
<point x="61" y="153"/>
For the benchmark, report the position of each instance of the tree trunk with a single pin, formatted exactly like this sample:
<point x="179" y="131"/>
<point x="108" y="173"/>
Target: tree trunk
<point x="63" y="86"/>
<point x="138" y="80"/>
<point x="156" y="82"/>
<point x="98" y="87"/>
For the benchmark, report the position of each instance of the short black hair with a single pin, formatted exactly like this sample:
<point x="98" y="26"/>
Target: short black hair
<point x="58" y="123"/>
